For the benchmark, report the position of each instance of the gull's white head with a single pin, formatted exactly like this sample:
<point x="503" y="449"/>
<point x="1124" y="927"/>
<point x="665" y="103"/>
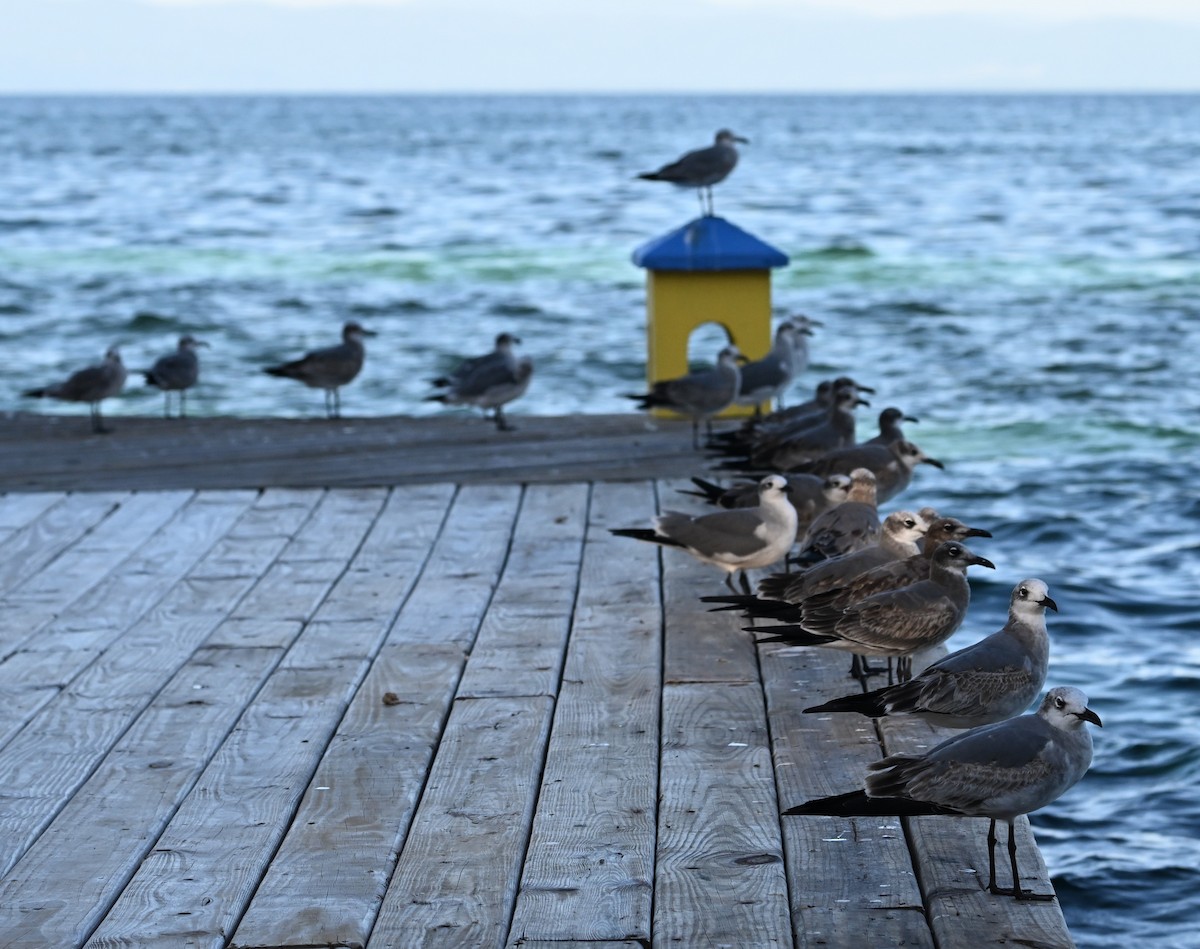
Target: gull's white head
<point x="1066" y="707"/>
<point x="1031" y="598"/>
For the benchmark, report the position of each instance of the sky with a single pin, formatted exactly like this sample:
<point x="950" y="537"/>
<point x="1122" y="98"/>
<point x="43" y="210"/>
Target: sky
<point x="710" y="46"/>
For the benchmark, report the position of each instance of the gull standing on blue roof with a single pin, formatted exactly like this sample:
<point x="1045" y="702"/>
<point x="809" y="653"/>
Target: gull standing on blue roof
<point x="702" y="168"/>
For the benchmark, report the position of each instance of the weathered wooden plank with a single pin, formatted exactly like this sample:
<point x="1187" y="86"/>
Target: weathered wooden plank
<point x="852" y="881"/>
<point x="952" y="864"/>
<point x="457" y="876"/>
<point x="30" y="550"/>
<point x="338" y="855"/>
<point x="520" y="647"/>
<point x="328" y="879"/>
<point x="720" y="878"/>
<point x="106" y="580"/>
<point x="222" y="453"/>
<point x="25" y="609"/>
<point x="57" y="894"/>
<point x="283" y="733"/>
<point x="48" y="761"/>
<point x="19" y="510"/>
<point x="449" y="603"/>
<point x="701" y="646"/>
<point x="590" y="864"/>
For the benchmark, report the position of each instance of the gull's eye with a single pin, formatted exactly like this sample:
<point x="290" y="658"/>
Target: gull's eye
<point x="1022" y="593"/>
<point x="910" y="523"/>
<point x="1059" y="703"/>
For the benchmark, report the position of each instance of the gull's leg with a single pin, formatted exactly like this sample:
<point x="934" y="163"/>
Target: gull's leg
<point x="745" y="583"/>
<point x="992" y="856"/>
<point x="696" y="433"/>
<point x="729" y="582"/>
<point x="183" y="403"/>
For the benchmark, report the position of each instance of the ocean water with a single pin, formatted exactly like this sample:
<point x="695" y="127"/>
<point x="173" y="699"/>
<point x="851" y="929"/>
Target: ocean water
<point x="1020" y="272"/>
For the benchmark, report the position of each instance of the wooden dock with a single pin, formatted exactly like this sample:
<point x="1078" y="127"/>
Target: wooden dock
<point x="433" y="715"/>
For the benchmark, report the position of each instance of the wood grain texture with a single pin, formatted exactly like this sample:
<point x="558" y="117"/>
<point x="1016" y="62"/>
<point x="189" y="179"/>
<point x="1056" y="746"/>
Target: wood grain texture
<point x="590" y="865"/>
<point x="852" y="880"/>
<point x="457" y="876"/>
<point x="520" y="646"/>
<point x="719" y="877"/>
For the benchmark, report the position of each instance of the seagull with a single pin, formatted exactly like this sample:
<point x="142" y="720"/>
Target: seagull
<point x="998" y="771"/>
<point x="779" y="593"/>
<point x="489" y="381"/>
<point x="891" y="462"/>
<point x="91" y="385"/>
<point x="809" y="495"/>
<point x="803" y="325"/>
<point x="699" y="395"/>
<point x="889" y="426"/>
<point x="329" y="368"/>
<point x="848" y="527"/>
<point x="886" y="577"/>
<point x="740" y="539"/>
<point x="994" y="679"/>
<point x="176" y="372"/>
<point x="894" y="624"/>
<point x="702" y="168"/>
<point x="766" y="379"/>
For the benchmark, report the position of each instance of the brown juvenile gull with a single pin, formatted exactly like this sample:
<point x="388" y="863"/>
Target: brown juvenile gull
<point x="176" y="372"/>
<point x="893" y="575"/>
<point x="847" y="527"/>
<point x="699" y="395"/>
<point x="702" y="168"/>
<point x="994" y="679"/>
<point x="329" y="368"/>
<point x="489" y="381"/>
<point x="741" y="539"/>
<point x="895" y="624"/>
<point x="998" y="771"/>
<point x="898" y="540"/>
<point x="91" y="385"/>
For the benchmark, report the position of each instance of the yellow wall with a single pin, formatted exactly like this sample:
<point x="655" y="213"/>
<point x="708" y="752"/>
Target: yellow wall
<point x="678" y="302"/>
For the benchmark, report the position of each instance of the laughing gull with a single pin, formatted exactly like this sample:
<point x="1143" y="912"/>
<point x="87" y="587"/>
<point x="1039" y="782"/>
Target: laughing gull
<point x="848" y="527"/>
<point x="329" y="368"/>
<point x="176" y="372"/>
<point x="91" y="385"/>
<point x="741" y="539"/>
<point x="698" y="395"/>
<point x="892" y="463"/>
<point x="489" y="381"/>
<point x="702" y="168"/>
<point x="893" y="575"/>
<point x="994" y="679"/>
<point x="894" y="624"/>
<point x="998" y="771"/>
<point x="793" y="449"/>
<point x="809" y="495"/>
<point x="766" y="379"/>
<point x="889" y="426"/>
<point x="779" y="594"/>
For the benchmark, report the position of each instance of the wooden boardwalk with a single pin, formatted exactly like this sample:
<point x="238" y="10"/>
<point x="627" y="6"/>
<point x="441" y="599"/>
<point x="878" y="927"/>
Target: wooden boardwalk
<point x="432" y="715"/>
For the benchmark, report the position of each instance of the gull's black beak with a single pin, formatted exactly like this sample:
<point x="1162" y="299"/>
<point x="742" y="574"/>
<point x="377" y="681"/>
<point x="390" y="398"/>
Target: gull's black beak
<point x="1049" y="603"/>
<point x="977" y="532"/>
<point x="862" y="388"/>
<point x="909" y="418"/>
<point x="983" y="562"/>
<point x="937" y="464"/>
<point x="863" y="401"/>
<point x="1088" y="715"/>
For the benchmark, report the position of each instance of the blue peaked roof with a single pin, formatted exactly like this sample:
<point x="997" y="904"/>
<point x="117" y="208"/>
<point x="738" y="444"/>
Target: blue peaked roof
<point x="708" y="243"/>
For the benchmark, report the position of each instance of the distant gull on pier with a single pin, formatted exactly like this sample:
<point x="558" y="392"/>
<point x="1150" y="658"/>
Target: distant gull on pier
<point x="766" y="379"/>
<point x="699" y="395"/>
<point x="702" y="168"/>
<point x="91" y="385"/>
<point x="998" y="771"/>
<point x="894" y="624"/>
<point x="994" y="679"/>
<point x="176" y="372"/>
<point x="739" y="539"/>
<point x="329" y="368"/>
<point x="489" y="381"/>
<point x="847" y="527"/>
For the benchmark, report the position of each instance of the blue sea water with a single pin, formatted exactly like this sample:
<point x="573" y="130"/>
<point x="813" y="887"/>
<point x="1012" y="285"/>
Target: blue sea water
<point x="1021" y="272"/>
